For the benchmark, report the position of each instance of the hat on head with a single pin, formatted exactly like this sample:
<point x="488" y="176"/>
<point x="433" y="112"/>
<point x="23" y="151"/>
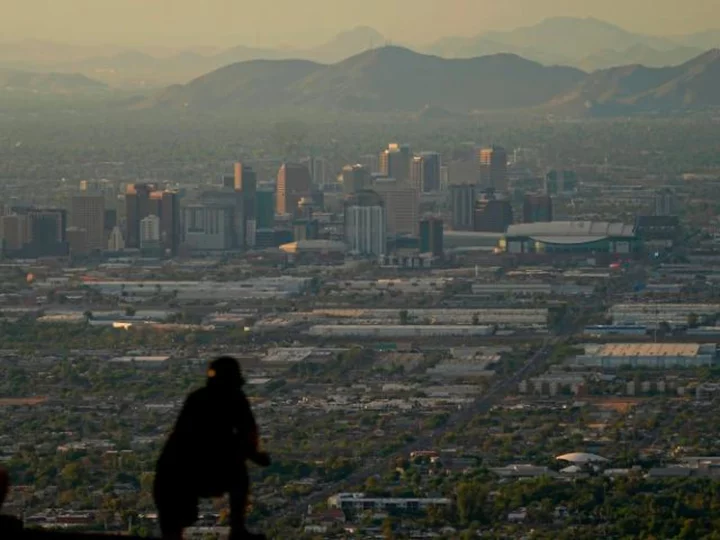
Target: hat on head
<point x="225" y="371"/>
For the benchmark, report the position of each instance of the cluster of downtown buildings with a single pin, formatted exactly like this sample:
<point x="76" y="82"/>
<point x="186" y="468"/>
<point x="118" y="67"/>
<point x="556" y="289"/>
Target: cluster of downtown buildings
<point x="388" y="203"/>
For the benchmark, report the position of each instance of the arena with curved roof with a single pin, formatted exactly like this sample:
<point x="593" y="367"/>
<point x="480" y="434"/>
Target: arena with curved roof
<point x="569" y="237"/>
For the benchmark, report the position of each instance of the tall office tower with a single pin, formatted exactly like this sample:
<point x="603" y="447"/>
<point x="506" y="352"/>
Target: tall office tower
<point x="77" y="240"/>
<point x="293" y="183"/>
<point x="665" y="203"/>
<point x="431" y="236"/>
<point x="559" y="181"/>
<point x="402" y="205"/>
<point x="463" y="172"/>
<point x="265" y="217"/>
<point x="137" y="199"/>
<point x="395" y="162"/>
<point x="143" y="200"/>
<point x="36" y="232"/>
<point x="318" y="169"/>
<point x="106" y="188"/>
<point x="444" y="177"/>
<point x="170" y="221"/>
<point x="110" y="220"/>
<point x="366" y="223"/>
<point x="537" y="208"/>
<point x="493" y="168"/>
<point x="246" y="183"/>
<point x="209" y="225"/>
<point x="150" y="232"/>
<point x="15" y="232"/>
<point x="228" y="181"/>
<point x="355" y="178"/>
<point x="493" y="215"/>
<point x="87" y="212"/>
<point x="425" y="172"/>
<point x="462" y="206"/>
<point x="371" y="162"/>
<point x="116" y="242"/>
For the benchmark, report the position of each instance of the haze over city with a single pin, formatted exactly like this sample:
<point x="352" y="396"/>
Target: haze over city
<point x="181" y="23"/>
<point x="330" y="269"/>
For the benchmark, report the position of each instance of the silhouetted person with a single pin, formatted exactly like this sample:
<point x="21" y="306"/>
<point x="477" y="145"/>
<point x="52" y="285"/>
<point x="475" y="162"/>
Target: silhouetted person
<point x="9" y="526"/>
<point x="206" y="453"/>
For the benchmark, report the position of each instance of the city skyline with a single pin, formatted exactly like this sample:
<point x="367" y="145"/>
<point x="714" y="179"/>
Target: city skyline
<point x="225" y="23"/>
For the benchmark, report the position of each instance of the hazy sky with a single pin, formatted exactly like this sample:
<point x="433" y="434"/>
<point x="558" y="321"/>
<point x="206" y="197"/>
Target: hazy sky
<point x="304" y="22"/>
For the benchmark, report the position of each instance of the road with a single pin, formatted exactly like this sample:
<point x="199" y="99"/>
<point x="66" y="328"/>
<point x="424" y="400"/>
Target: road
<point x="481" y="406"/>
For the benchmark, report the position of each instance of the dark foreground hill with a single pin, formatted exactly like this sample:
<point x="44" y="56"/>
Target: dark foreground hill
<point x="384" y="79"/>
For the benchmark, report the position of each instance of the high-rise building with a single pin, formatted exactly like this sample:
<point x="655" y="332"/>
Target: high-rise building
<point x="395" y="162"/>
<point x="665" y="202"/>
<point x="150" y="232"/>
<point x="293" y="183"/>
<point x="110" y="220"/>
<point x="493" y="215"/>
<point x="371" y="162"/>
<point x="265" y="218"/>
<point x="170" y="221"/>
<point x="444" y="177"/>
<point x="116" y="242"/>
<point x="355" y="178"/>
<point x="365" y="224"/>
<point x="35" y="232"/>
<point x="209" y="226"/>
<point x="537" y="209"/>
<point x="246" y="183"/>
<point x="431" y="236"/>
<point x="462" y="206"/>
<point x="463" y="172"/>
<point x="87" y="212"/>
<point x="318" y="169"/>
<point x="143" y="200"/>
<point x="560" y="181"/>
<point x="492" y="162"/>
<point x="425" y="172"/>
<point x="15" y="229"/>
<point x="402" y="204"/>
<point x="77" y="240"/>
<point x="137" y="198"/>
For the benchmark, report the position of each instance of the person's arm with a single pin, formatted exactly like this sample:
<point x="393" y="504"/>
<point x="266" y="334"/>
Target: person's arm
<point x="248" y="427"/>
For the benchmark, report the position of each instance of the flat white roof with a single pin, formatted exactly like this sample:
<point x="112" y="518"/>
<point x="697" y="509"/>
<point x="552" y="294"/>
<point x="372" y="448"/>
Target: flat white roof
<point x="582" y="230"/>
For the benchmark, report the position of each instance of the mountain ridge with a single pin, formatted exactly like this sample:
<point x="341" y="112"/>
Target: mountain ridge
<point x="385" y="79"/>
<point x="584" y="43"/>
<point x="396" y="79"/>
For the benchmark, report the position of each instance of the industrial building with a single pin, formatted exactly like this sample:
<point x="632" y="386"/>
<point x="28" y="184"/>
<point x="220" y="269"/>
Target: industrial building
<point x="570" y="237"/>
<point x="654" y="314"/>
<point x="497" y="316"/>
<point x="268" y="287"/>
<point x="647" y="355"/>
<point x="360" y="502"/>
<point x="399" y="331"/>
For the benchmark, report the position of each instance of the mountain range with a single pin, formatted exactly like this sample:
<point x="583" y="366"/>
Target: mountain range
<point x="631" y="89"/>
<point x="588" y="44"/>
<point x="17" y="81"/>
<point x="394" y="79"/>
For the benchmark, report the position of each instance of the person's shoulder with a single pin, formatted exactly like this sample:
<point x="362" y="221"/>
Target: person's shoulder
<point x="198" y="396"/>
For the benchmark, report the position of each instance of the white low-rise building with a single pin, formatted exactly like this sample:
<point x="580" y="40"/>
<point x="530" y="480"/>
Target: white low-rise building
<point x="359" y="502"/>
<point x="399" y="331"/>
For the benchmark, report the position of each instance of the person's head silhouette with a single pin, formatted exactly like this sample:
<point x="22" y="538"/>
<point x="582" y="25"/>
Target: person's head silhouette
<point x="224" y="372"/>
